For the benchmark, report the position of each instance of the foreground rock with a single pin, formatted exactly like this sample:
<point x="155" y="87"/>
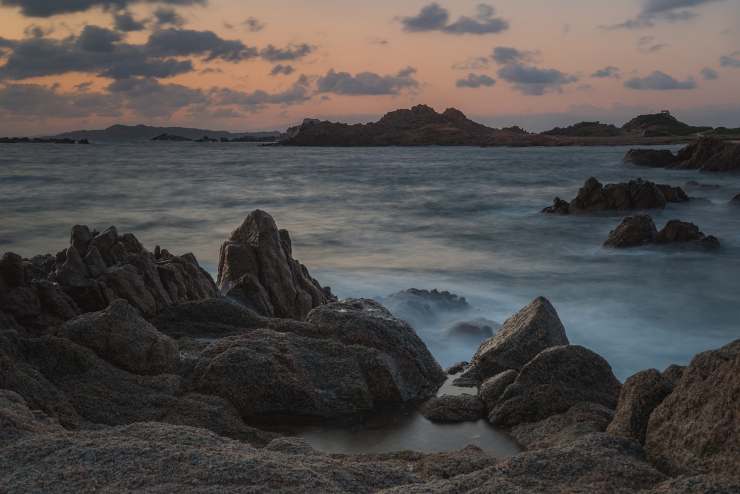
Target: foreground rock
<point x="256" y="268"/>
<point x="523" y="336"/>
<point x="705" y="154"/>
<point x="640" y="229"/>
<point x="454" y="408"/>
<point x="580" y="420"/>
<point x="552" y="382"/>
<point x="640" y="395"/>
<point x="635" y="194"/>
<point x="696" y="429"/>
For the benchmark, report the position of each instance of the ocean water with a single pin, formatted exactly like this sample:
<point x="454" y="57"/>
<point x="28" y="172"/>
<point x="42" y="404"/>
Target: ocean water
<point x="372" y="221"/>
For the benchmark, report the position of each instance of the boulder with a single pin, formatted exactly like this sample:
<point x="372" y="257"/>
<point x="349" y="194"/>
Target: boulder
<point x="696" y="429"/>
<point x="558" y="430"/>
<point x="552" y="382"/>
<point x="493" y="388"/>
<point x="710" y="154"/>
<point x="454" y="408"/>
<point x="121" y="336"/>
<point x="533" y="329"/>
<point x="633" y="231"/>
<point x="640" y="394"/>
<point x="659" y="158"/>
<point x="676" y="231"/>
<point x="256" y="268"/>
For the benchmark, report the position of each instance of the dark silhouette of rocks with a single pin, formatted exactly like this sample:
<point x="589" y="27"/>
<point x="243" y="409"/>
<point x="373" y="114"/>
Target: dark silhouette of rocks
<point x="256" y="268"/>
<point x="659" y="125"/>
<point x="533" y="329"/>
<point x="640" y="229"/>
<point x="454" y="408"/>
<point x="707" y="154"/>
<point x="171" y="138"/>
<point x="586" y="129"/>
<point x="480" y="329"/>
<point x="636" y="194"/>
<point x="41" y="140"/>
<point x="133" y="133"/>
<point x="640" y="395"/>
<point x="696" y="429"/>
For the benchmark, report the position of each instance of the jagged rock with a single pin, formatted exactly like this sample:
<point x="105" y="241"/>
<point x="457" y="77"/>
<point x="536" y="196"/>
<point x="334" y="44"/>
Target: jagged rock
<point x="640" y="394"/>
<point x="121" y="336"/>
<point x="658" y="158"/>
<point x="552" y="382"/>
<point x="633" y="231"/>
<point x="493" y="388"/>
<point x="673" y="373"/>
<point x="710" y="154"/>
<point x="523" y="336"/>
<point x="696" y="429"/>
<point x="676" y="231"/>
<point x="453" y="408"/>
<point x="256" y="268"/>
<point x="558" y="430"/>
<point x="635" y="194"/>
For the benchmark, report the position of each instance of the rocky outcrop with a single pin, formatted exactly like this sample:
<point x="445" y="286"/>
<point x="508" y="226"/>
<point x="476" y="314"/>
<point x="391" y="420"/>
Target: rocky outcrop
<point x="707" y="154"/>
<point x="640" y="230"/>
<point x="696" y="429"/>
<point x="640" y="395"/>
<point x="534" y="328"/>
<point x="121" y="336"/>
<point x="635" y="194"/>
<point x="256" y="268"/>
<point x="578" y="421"/>
<point x="453" y="408"/>
<point x="552" y="382"/>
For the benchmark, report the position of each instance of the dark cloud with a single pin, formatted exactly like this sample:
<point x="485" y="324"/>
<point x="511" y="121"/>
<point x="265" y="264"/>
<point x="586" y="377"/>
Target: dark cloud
<point x="281" y="69"/>
<point x="299" y="92"/>
<point x="253" y="25"/>
<point x="150" y="98"/>
<point x="607" y="72"/>
<point x="33" y="100"/>
<point x="476" y="63"/>
<point x="167" y="16"/>
<point x="534" y="81"/>
<point x="659" y="81"/>
<point x="48" y="8"/>
<point x="709" y="74"/>
<point x="475" y="81"/>
<point x="654" y="11"/>
<point x="98" y="39"/>
<point x="187" y="42"/>
<point x="367" y="83"/>
<point x="125" y="22"/>
<point x="36" y="31"/>
<point x="647" y="44"/>
<point x="292" y="52"/>
<point x="434" y="17"/>
<point x="732" y="60"/>
<point x="506" y="55"/>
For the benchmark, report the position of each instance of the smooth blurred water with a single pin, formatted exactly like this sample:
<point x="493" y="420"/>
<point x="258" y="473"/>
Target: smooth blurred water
<point x="371" y="221"/>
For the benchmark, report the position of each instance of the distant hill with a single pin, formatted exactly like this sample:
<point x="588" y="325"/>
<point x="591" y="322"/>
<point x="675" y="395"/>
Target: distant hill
<point x="118" y="133"/>
<point x="586" y="129"/>
<point x="659" y="125"/>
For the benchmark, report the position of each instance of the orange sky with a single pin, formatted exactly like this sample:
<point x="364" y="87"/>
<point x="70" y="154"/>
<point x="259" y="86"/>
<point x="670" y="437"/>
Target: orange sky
<point x="354" y="37"/>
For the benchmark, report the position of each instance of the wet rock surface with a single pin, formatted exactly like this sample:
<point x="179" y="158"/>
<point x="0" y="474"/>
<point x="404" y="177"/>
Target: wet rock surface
<point x="257" y="268"/>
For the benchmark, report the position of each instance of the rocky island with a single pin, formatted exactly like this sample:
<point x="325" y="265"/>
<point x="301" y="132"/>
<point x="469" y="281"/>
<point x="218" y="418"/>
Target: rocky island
<point x="127" y="369"/>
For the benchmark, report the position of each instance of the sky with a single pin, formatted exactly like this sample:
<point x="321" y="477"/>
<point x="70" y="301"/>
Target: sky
<point x="258" y="65"/>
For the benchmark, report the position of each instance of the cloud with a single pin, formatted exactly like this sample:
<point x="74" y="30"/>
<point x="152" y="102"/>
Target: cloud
<point x="535" y="81"/>
<point x="434" y="17"/>
<point x="299" y="92"/>
<point x="367" y="83"/>
<point x="253" y="25"/>
<point x="98" y="39"/>
<point x="647" y="44"/>
<point x="187" y="42"/>
<point x="33" y="100"/>
<point x="475" y="81"/>
<point x="167" y="16"/>
<point x="281" y="69"/>
<point x="732" y="60"/>
<point x="506" y="54"/>
<point x="476" y="63"/>
<point x="709" y="74"/>
<point x="607" y="72"/>
<point x="659" y="81"/>
<point x="150" y="98"/>
<point x="49" y="8"/>
<point x="654" y="11"/>
<point x="125" y="22"/>
<point x="291" y="52"/>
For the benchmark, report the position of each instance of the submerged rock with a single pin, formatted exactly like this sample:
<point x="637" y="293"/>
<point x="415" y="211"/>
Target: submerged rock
<point x="524" y="335"/>
<point x="696" y="428"/>
<point x="640" y="230"/>
<point x="453" y="408"/>
<point x="640" y="394"/>
<point x="552" y="382"/>
<point x="478" y="329"/>
<point x="256" y="268"/>
<point x="676" y="231"/>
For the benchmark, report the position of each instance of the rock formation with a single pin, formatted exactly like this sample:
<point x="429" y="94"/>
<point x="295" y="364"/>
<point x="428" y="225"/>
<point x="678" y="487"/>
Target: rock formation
<point x="256" y="268"/>
<point x="640" y="394"/>
<point x="640" y="229"/>
<point x="454" y="408"/>
<point x="707" y="154"/>
<point x="658" y="158"/>
<point x="635" y="194"/>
